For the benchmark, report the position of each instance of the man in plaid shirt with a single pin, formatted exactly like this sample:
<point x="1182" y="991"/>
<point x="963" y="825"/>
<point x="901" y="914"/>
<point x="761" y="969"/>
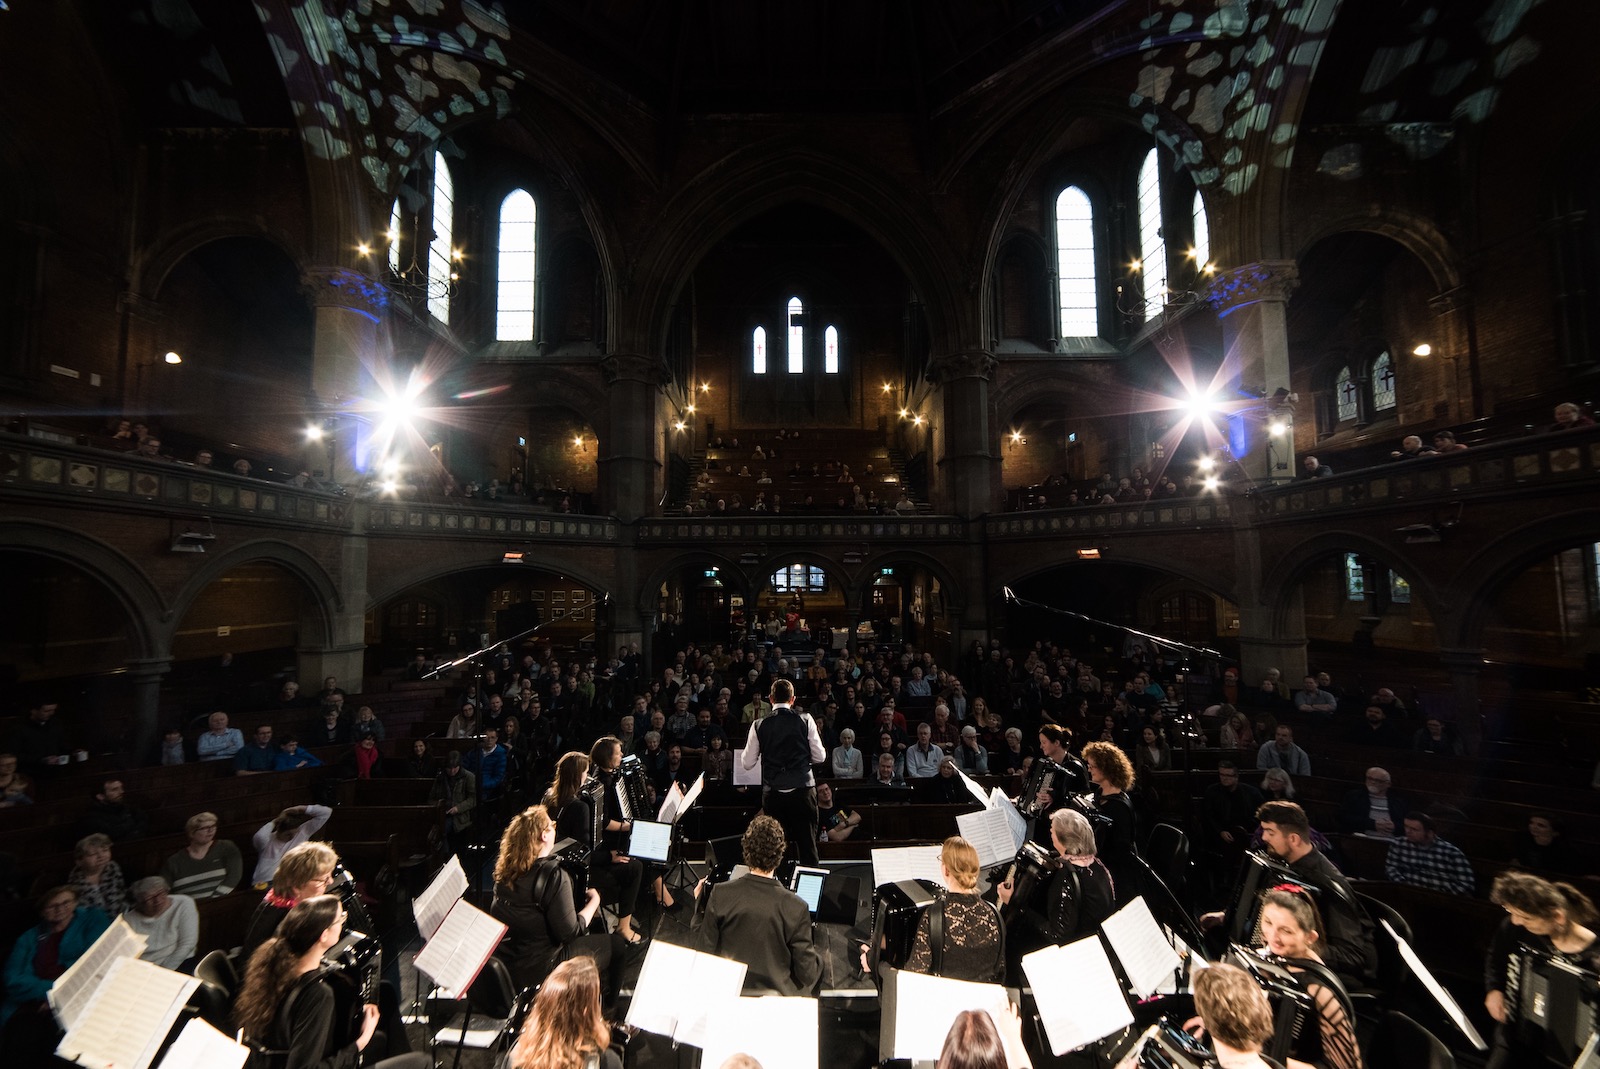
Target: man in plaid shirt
<point x="1422" y="859"/>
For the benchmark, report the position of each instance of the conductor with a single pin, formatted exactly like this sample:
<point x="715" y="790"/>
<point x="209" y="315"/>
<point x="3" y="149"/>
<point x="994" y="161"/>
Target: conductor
<point x="787" y="744"/>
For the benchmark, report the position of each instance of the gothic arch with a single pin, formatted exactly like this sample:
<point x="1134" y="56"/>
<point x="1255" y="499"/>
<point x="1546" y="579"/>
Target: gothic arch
<point x="650" y="589"/>
<point x="1502" y="560"/>
<point x="1126" y="553"/>
<point x="1279" y="584"/>
<point x="439" y="569"/>
<point x="954" y="595"/>
<point x="141" y="602"/>
<point x="1417" y="234"/>
<point x="322" y="592"/>
<point x="153" y="264"/>
<point x="768" y="175"/>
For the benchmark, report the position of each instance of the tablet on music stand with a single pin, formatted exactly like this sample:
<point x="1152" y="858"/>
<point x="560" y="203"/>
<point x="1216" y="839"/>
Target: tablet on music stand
<point x="807" y="883"/>
<point x="650" y="841"/>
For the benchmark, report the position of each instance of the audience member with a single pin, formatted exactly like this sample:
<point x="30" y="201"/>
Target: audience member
<point x="111" y="815"/>
<point x="219" y="742"/>
<point x="1228" y="811"/>
<point x="970" y="756"/>
<point x="258" y="755"/>
<point x="283" y="833"/>
<point x="1570" y="417"/>
<point x="41" y="739"/>
<point x="1311" y="698"/>
<point x="96" y="879"/>
<point x="456" y="787"/>
<point x="15" y="788"/>
<point x="172" y="751"/>
<point x="1373" y="810"/>
<point x="206" y="868"/>
<point x="1411" y="448"/>
<point x="1544" y="847"/>
<point x="66" y="930"/>
<point x="291" y="757"/>
<point x="1437" y="737"/>
<point x="1422" y="859"/>
<point x="169" y="922"/>
<point x="1282" y="753"/>
<point x="846" y="761"/>
<point x="1375" y="730"/>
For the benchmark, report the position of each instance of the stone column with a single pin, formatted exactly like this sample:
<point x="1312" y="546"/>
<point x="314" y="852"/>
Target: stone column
<point x="968" y="482"/>
<point x="345" y="654"/>
<point x="1455" y="346"/>
<point x="350" y="332"/>
<point x="1464" y="667"/>
<point x="629" y="466"/>
<point x="1251" y="301"/>
<point x="1262" y="646"/>
<point x="142" y="350"/>
<point x="145" y="675"/>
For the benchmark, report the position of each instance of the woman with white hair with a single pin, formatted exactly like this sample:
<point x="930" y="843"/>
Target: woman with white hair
<point x="1076" y="900"/>
<point x="846" y="759"/>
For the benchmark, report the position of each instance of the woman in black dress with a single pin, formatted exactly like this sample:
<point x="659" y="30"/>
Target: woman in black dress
<point x="286" y="1006"/>
<point x="1551" y="918"/>
<point x="1112" y="775"/>
<point x="534" y="899"/>
<point x="615" y="875"/>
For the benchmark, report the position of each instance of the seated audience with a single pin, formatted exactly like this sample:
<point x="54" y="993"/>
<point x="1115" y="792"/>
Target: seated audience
<point x="366" y="723"/>
<point x="1422" y="859"/>
<point x="111" y="815"/>
<point x="15" y="788"/>
<point x="208" y="867"/>
<point x="219" y="742"/>
<point x="834" y="824"/>
<point x="846" y="761"/>
<point x="172" y="751"/>
<point x="1154" y="753"/>
<point x="96" y="879"/>
<point x="170" y="923"/>
<point x="291" y="757"/>
<point x="1374" y="809"/>
<point x="1437" y="737"/>
<point x="66" y="930"/>
<point x="1311" y="698"/>
<point x="1544" y="847"/>
<point x="259" y="754"/>
<point x="1282" y="753"/>
<point x="1377" y="731"/>
<point x="969" y="754"/>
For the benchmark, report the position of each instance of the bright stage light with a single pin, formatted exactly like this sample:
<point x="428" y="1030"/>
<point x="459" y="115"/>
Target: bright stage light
<point x="1207" y="463"/>
<point x="1198" y="405"/>
<point x="1212" y="482"/>
<point x="390" y="486"/>
<point x="1277" y="427"/>
<point x="313" y="432"/>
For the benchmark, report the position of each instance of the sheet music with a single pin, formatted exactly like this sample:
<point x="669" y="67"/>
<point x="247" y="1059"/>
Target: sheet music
<point x="199" y="1046"/>
<point x="777" y="1031"/>
<point x="668" y="813"/>
<point x="128" y="1017"/>
<point x="893" y="864"/>
<point x="925" y="1007"/>
<point x="1016" y="821"/>
<point x="1146" y="956"/>
<point x="1440" y="995"/>
<point x="977" y="791"/>
<point x="747" y="777"/>
<point x="430" y="907"/>
<point x="456" y="953"/>
<point x="1077" y="993"/>
<point x="676" y="986"/>
<point x="692" y="795"/>
<point x="990" y="834"/>
<point x="73" y="989"/>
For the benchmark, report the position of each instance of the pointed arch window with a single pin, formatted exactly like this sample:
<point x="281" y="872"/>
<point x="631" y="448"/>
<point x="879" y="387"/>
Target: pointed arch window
<point x="797" y="337"/>
<point x="394" y="237"/>
<point x="1152" y="246"/>
<point x="830" y="351"/>
<point x="1346" y="394"/>
<point x="441" y="253"/>
<point x="758" y="351"/>
<point x="1383" y="383"/>
<point x="1202" y="233"/>
<point x="519" y="217"/>
<point x="1077" y="287"/>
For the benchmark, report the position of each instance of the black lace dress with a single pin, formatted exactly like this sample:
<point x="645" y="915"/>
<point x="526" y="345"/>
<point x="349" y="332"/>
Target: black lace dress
<point x="971" y="940"/>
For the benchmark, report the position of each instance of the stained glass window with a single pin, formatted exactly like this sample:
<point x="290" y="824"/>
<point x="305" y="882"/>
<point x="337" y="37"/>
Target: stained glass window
<point x="1355" y="578"/>
<point x="758" y="351"/>
<point x="394" y="237"/>
<point x="830" y="352"/>
<point x="1202" y="233"/>
<point x="1399" y="590"/>
<point x="1075" y="264"/>
<point x="800" y="578"/>
<point x="1383" y="394"/>
<point x="1347" y="394"/>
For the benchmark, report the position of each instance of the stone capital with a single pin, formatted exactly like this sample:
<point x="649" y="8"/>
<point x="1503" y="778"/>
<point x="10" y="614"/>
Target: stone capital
<point x="633" y="367"/>
<point x="139" y="306"/>
<point x="342" y="287"/>
<point x="973" y="364"/>
<point x="1264" y="280"/>
<point x="1450" y="301"/>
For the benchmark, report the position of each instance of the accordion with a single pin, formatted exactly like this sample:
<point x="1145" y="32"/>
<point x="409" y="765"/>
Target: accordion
<point x="1258" y="873"/>
<point x="1550" y="1004"/>
<point x="353" y="968"/>
<point x="633" y="790"/>
<point x="896" y="909"/>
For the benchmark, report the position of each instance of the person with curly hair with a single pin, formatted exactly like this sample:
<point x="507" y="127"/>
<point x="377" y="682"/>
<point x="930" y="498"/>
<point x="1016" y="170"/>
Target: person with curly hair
<point x="1551" y="918"/>
<point x="566" y="1029"/>
<point x="1234" y="1012"/>
<point x="534" y="899"/>
<point x="756" y="920"/>
<point x="1112" y="775"/>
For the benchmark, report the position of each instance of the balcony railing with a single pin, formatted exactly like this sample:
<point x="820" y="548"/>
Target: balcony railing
<point x="1542" y="464"/>
<point x="413" y="519"/>
<point x="60" y="471"/>
<point x="914" y="527"/>
<point x="1170" y="515"/>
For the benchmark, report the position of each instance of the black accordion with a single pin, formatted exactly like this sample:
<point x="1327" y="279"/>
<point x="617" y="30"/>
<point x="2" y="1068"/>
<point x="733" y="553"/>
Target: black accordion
<point x="1259" y="873"/>
<point x="353" y="968"/>
<point x="896" y="909"/>
<point x="1551" y="1005"/>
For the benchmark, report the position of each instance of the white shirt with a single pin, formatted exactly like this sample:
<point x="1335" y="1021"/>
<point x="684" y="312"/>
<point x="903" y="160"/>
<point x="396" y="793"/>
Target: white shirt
<point x="750" y="756"/>
<point x="270" y="849"/>
<point x="172" y="936"/>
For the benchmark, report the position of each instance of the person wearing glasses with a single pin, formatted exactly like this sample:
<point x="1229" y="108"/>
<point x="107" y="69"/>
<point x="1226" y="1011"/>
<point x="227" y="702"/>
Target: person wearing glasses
<point x="66" y="930"/>
<point x="208" y="867"/>
<point x="170" y="923"/>
<point x="286" y="1005"/>
<point x="305" y="872"/>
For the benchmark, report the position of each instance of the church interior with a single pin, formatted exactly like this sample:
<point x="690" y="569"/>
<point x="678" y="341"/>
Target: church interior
<point x="1203" y="346"/>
